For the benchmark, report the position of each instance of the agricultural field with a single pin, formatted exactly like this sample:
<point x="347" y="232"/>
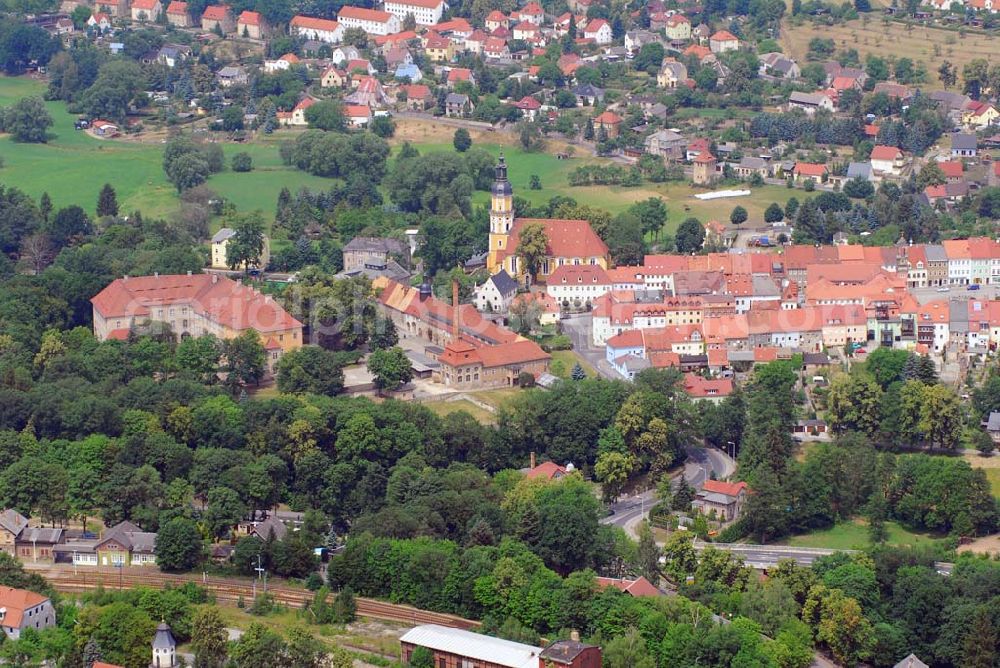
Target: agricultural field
<point x="870" y="35"/>
<point x="853" y="535"/>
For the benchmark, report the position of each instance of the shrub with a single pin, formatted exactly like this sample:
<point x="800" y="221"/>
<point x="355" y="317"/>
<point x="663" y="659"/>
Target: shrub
<point x="242" y="162"/>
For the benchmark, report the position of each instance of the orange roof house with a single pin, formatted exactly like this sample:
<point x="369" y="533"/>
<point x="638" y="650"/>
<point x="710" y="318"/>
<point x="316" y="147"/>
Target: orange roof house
<point x="192" y="304"/>
<point x="24" y="609"/>
<point x="637" y="587"/>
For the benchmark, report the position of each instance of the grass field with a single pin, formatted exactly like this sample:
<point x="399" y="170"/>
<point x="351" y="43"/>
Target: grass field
<point x="854" y="535"/>
<point x="443" y="408"/>
<point x="927" y="44"/>
<point x="568" y="359"/>
<point x="991" y="465"/>
<point x="73" y="166"/>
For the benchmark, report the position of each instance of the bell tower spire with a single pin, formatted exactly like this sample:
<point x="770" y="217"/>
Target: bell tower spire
<point x="501" y="216"/>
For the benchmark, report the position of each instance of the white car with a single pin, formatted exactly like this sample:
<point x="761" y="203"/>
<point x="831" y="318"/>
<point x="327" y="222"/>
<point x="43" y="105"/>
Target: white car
<point x="944" y="289"/>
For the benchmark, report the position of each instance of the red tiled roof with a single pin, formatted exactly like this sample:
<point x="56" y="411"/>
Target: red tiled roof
<point x="404" y="36"/>
<point x="952" y="169"/>
<point x="810" y="169"/>
<point x="144" y="5"/>
<point x="532" y="9"/>
<point x="118" y="334"/>
<point x="565" y="238"/>
<point x="314" y="23"/>
<point x="528" y="103"/>
<point x="362" y="14"/>
<point x="595" y="25"/>
<point x="630" y="338"/>
<point x="177" y="7"/>
<point x="677" y="19"/>
<point x="496" y="16"/>
<point x="101" y="664"/>
<point x="579" y="274"/>
<point x="726" y="488"/>
<point x="216" y="13"/>
<point x="704" y="157"/>
<point x="698" y="387"/>
<point x="547" y="470"/>
<point x="424" y="4"/>
<point x="638" y="587"/>
<point x="724" y="36"/>
<point x="219" y="299"/>
<point x="885" y="153"/>
<point x="17" y="601"/>
<point x="608" y="118"/>
<point x="248" y="18"/>
<point x="290" y="58"/>
<point x="459" y="74"/>
<point x="416" y="91"/>
<point x="357" y="111"/>
<point x="871" y="130"/>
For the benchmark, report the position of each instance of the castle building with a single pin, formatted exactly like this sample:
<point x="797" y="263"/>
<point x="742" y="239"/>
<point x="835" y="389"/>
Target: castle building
<point x="568" y="242"/>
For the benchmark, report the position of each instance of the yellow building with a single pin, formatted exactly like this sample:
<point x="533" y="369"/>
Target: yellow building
<point x="569" y="242"/>
<point x="221" y="240"/>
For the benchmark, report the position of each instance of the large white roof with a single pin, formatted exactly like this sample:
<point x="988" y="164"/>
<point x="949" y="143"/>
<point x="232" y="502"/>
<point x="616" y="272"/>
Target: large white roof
<point x="473" y="646"/>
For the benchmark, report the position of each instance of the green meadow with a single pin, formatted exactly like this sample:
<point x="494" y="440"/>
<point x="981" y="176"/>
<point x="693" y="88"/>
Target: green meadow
<point x="73" y="166"/>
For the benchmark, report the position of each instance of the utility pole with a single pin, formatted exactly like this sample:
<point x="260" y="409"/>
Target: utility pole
<point x="262" y="574"/>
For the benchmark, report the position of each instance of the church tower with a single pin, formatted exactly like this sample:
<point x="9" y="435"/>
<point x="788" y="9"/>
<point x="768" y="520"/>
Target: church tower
<point x="501" y="217"/>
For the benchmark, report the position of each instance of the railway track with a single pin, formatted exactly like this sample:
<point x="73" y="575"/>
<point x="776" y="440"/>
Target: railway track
<point x="228" y="591"/>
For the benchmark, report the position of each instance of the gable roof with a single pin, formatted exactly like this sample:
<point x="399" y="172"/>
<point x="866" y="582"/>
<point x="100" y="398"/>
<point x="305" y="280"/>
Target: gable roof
<point x="314" y="23"/>
<point x="249" y="18"/>
<point x="216" y="297"/>
<point x="177" y="7"/>
<point x="503" y="282"/>
<point x="13" y="521"/>
<point x="637" y="587"/>
<point x="475" y="646"/>
<point x="724" y="36"/>
<point x="16" y="602"/>
<point x="564" y="238"/>
<point x="362" y="14"/>
<point x="727" y="488"/>
<point x="216" y="13"/>
<point x="886" y="153"/>
<point x="546" y="470"/>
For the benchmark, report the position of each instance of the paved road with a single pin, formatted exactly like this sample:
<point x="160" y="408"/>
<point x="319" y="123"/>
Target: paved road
<point x="578" y="327"/>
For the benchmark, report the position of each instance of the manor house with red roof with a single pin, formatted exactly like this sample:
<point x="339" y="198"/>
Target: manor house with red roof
<point x="194" y="305"/>
<point x="568" y="242"/>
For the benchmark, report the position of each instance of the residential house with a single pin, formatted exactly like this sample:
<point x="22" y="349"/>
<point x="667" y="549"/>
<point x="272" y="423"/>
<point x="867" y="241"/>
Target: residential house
<point x="359" y="67"/>
<point x="696" y="147"/>
<point x="992" y="426"/>
<point x="587" y="95"/>
<point x="457" y="105"/>
<point x="408" y="72"/>
<point x="804" y="171"/>
<point x="779" y="65"/>
<point x="953" y="170"/>
<point x="678" y="28"/>
<point x="321" y="30"/>
<point x="100" y="21"/>
<point x="577" y="285"/>
<point x="610" y="122"/>
<point x="297" y="116"/>
<point x="497" y="293"/>
<point x="251" y="25"/>
<point x="418" y="96"/>
<point x="750" y="165"/>
<point x="635" y="39"/>
<point x="371" y="21"/>
<point x="496" y="19"/>
<point x="103" y="128"/>
<point x="810" y="102"/>
<point x="667" y="144"/>
<point x="727" y="499"/>
<point x="424" y="12"/>
<point x="369" y="93"/>
<point x="672" y="74"/>
<point x="220" y="245"/>
<point x="980" y="114"/>
<point x="526" y="32"/>
<point x="217" y="18"/>
<point x="633" y="587"/>
<point x="193" y="305"/>
<point x="177" y="14"/>
<point x="895" y="91"/>
<point x="886" y="161"/>
<point x="546" y="470"/>
<point x="281" y="63"/>
<point x="232" y="75"/>
<point x="723" y="41"/>
<point x="598" y="30"/>
<point x="457" y="74"/>
<point x="344" y="54"/>
<point x="172" y="54"/>
<point x="438" y="49"/>
<point x="124" y="544"/>
<point x="705" y="169"/>
<point x="711" y="390"/>
<point x="332" y="78"/>
<point x="964" y="145"/>
<point x="529" y="107"/>
<point x="360" y="251"/>
<point x="531" y="12"/>
<point x="496" y="48"/>
<point x="397" y="55"/>
<point x="21" y="609"/>
<point x="11" y="525"/>
<point x="146" y="11"/>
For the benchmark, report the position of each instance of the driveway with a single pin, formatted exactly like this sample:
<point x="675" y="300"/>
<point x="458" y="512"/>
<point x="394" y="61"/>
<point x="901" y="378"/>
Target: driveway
<point x="578" y="328"/>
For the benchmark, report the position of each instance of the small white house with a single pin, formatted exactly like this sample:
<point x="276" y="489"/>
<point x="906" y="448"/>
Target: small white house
<point x="497" y="293"/>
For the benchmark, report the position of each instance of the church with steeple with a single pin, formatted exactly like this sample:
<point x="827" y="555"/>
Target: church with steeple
<point x="571" y="242"/>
